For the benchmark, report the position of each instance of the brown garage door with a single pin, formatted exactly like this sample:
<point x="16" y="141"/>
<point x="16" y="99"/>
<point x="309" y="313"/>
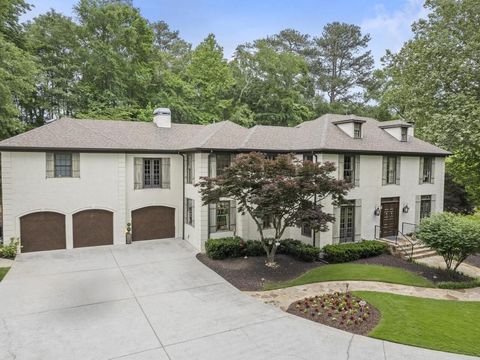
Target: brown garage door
<point x="92" y="228"/>
<point x="42" y="231"/>
<point x="153" y="222"/>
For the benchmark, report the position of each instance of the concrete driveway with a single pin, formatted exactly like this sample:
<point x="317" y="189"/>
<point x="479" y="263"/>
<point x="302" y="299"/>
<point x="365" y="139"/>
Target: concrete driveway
<point x="154" y="300"/>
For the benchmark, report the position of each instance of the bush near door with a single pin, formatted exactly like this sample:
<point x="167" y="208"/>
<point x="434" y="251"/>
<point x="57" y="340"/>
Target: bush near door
<point x="341" y="253"/>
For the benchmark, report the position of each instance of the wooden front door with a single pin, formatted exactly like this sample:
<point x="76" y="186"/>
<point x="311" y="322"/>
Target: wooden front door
<point x="389" y="217"/>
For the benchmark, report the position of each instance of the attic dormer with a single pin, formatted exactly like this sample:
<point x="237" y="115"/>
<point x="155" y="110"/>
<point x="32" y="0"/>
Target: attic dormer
<point x="351" y="127"/>
<point x="399" y="130"/>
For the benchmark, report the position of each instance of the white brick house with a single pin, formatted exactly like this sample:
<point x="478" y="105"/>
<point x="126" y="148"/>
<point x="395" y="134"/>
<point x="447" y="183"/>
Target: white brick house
<point x="75" y="183"/>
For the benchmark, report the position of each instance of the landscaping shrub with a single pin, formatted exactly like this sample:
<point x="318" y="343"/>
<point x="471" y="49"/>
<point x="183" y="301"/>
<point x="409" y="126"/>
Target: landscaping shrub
<point x="253" y="248"/>
<point x="353" y="251"/>
<point x="454" y="237"/>
<point x="459" y="284"/>
<point x="10" y="251"/>
<point x="230" y="247"/>
<point x="298" y="250"/>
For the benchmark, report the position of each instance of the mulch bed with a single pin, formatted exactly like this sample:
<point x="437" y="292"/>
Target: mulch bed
<point x="316" y="309"/>
<point x="249" y="274"/>
<point x="433" y="274"/>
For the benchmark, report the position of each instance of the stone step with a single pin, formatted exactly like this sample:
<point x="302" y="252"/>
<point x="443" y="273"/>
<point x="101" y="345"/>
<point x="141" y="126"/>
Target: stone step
<point x="424" y="255"/>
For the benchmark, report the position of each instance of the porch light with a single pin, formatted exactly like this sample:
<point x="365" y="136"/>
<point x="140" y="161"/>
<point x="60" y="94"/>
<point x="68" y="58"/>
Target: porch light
<point x="376" y="212"/>
<point x="405" y="209"/>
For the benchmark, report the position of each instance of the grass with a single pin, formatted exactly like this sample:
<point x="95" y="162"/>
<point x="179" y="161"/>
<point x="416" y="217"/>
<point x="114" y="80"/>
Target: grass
<point x="3" y="272"/>
<point x="434" y="324"/>
<point x="355" y="272"/>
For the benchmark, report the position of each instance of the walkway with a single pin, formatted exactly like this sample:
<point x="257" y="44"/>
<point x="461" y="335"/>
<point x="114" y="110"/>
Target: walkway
<point x="437" y="261"/>
<point x="282" y="298"/>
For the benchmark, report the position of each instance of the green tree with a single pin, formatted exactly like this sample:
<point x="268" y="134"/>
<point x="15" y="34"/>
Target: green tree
<point x="454" y="237"/>
<point x="17" y="69"/>
<point x="283" y="189"/>
<point x="342" y="63"/>
<point x="116" y="55"/>
<point x="211" y="78"/>
<point x="434" y="80"/>
<point x="53" y="40"/>
<point x="273" y="85"/>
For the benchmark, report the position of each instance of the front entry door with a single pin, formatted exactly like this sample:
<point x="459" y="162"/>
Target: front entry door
<point x="389" y="217"/>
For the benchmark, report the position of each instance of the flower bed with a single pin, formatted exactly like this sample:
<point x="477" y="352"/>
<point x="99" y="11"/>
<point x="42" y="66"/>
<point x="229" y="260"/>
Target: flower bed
<point x="340" y="310"/>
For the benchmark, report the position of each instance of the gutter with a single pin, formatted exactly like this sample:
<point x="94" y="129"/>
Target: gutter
<point x="208" y="206"/>
<point x="183" y="195"/>
<point x="315" y="201"/>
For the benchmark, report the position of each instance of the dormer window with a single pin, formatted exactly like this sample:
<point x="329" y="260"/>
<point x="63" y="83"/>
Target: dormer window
<point x="357" y="130"/>
<point x="352" y="127"/>
<point x="404" y="134"/>
<point x="400" y="130"/>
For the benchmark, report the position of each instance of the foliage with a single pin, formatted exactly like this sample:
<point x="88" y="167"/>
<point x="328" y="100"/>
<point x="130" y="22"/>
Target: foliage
<point x="299" y="250"/>
<point x="340" y="253"/>
<point x="454" y="237"/>
<point x="232" y="247"/>
<point x="456" y="199"/>
<point x="10" y="251"/>
<point x="350" y="272"/>
<point x="340" y="308"/>
<point x="434" y="80"/>
<point x="3" y="272"/>
<point x="342" y="62"/>
<point x="459" y="284"/>
<point x="282" y="188"/>
<point x="434" y="324"/>
<point x="211" y="78"/>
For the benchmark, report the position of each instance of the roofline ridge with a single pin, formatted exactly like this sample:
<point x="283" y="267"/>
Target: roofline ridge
<point x="96" y="132"/>
<point x="222" y="123"/>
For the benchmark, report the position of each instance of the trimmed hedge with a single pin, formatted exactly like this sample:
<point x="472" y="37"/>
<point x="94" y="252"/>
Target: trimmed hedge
<point x="459" y="284"/>
<point x="232" y="247"/>
<point x="341" y="253"/>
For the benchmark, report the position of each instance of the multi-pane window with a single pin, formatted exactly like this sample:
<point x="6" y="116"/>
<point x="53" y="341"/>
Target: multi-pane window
<point x="357" y="130"/>
<point x="349" y="168"/>
<point x="404" y="133"/>
<point x="152" y="173"/>
<point x="391" y="174"/>
<point x="189" y="168"/>
<point x="223" y="216"/>
<point x="222" y="161"/>
<point x="308" y="157"/>
<point x="425" y="206"/>
<point x="267" y="221"/>
<point x="63" y="164"/>
<point x="427" y="169"/>
<point x="306" y="230"/>
<point x="190" y="212"/>
<point x="347" y="222"/>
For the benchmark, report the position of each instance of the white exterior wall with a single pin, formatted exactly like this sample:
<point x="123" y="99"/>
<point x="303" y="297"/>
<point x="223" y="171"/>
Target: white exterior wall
<point x="107" y="182"/>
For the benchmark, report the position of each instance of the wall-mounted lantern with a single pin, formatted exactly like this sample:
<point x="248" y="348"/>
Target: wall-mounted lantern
<point x="376" y="212"/>
<point x="405" y="209"/>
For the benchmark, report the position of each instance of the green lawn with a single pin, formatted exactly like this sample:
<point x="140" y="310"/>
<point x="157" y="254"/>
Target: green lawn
<point x="354" y="272"/>
<point x="3" y="272"/>
<point x="435" y="324"/>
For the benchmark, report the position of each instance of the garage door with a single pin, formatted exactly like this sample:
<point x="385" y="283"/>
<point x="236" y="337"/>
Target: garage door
<point x="153" y="222"/>
<point x="92" y="228"/>
<point x="42" y="231"/>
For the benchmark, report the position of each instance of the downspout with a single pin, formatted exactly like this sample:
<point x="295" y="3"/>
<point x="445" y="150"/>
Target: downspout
<point x="208" y="206"/>
<point x="315" y="202"/>
<point x="183" y="199"/>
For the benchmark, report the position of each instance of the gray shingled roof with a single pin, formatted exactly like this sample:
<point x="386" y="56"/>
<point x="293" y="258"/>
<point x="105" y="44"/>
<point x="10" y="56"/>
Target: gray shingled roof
<point x="135" y="136"/>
